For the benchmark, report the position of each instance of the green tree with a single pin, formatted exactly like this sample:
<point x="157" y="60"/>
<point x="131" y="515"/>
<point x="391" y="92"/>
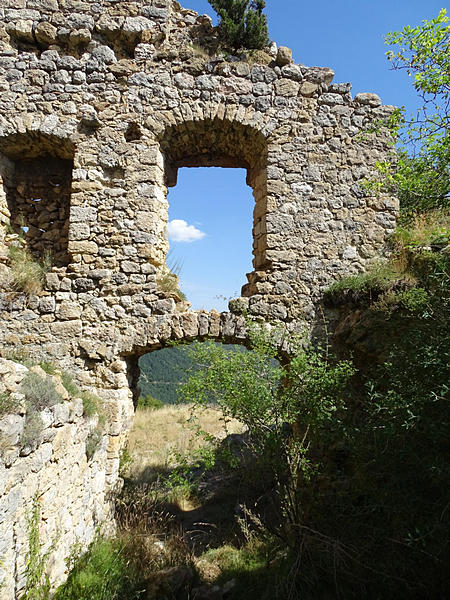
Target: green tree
<point x="242" y="23"/>
<point x="285" y="409"/>
<point x="422" y="175"/>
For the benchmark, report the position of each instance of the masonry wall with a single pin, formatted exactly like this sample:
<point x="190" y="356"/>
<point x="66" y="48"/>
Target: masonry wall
<point x="65" y="463"/>
<point x="100" y="104"/>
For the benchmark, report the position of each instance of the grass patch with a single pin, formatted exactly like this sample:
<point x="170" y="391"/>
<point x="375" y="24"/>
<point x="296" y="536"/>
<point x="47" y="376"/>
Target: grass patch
<point x="48" y="367"/>
<point x="69" y="384"/>
<point x="103" y="573"/>
<point x="159" y="438"/>
<point x="377" y="279"/>
<point x="431" y="228"/>
<point x="27" y="274"/>
<point x="91" y="404"/>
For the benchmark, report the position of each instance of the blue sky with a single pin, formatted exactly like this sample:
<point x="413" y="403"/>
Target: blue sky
<point x="215" y="204"/>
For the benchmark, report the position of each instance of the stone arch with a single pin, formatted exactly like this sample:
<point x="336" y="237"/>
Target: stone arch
<point x="35" y="187"/>
<point x="213" y="141"/>
<point x="181" y="328"/>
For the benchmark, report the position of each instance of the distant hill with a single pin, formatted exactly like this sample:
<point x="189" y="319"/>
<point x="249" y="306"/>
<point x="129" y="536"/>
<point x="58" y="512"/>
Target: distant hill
<point x="162" y="372"/>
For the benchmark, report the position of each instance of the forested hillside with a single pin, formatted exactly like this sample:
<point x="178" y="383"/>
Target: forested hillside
<point x="162" y="371"/>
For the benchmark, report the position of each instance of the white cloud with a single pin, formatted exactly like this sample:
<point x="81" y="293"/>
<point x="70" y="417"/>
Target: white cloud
<point x="180" y="231"/>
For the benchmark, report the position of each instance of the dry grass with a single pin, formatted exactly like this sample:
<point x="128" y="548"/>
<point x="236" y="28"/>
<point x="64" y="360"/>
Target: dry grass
<point x="158" y="436"/>
<point x="27" y="274"/>
<point x="426" y="229"/>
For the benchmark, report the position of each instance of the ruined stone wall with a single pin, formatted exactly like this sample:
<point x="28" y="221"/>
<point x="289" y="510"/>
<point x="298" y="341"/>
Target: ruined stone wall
<point x="53" y="463"/>
<point x="100" y="104"/>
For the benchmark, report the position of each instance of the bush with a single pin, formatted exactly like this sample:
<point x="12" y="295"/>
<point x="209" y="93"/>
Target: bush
<point x="39" y="392"/>
<point x="148" y="401"/>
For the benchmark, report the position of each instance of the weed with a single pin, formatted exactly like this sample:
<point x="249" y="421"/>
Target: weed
<point x="168" y="279"/>
<point x="125" y="461"/>
<point x="33" y="429"/>
<point x="37" y="585"/>
<point x="93" y="442"/>
<point x="168" y="283"/>
<point x="27" y="274"/>
<point x="91" y="404"/>
<point x="69" y="384"/>
<point x="7" y="404"/>
<point x="48" y="367"/>
<point x="430" y="229"/>
<point x="39" y="392"/>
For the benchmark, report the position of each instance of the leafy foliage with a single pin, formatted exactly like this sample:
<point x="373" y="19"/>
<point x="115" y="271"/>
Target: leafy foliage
<point x="421" y="176"/>
<point x="283" y="408"/>
<point x="242" y="23"/>
<point x="37" y="585"/>
<point x="102" y="573"/>
<point x="150" y="402"/>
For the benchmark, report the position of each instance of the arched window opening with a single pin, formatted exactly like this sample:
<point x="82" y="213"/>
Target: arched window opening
<point x="36" y="172"/>
<point x="210" y="224"/>
<point x="215" y="143"/>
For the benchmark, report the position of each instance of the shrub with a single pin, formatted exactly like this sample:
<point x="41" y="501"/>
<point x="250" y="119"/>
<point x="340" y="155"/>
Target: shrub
<point x="148" y="401"/>
<point x="39" y="392"/>
<point x="284" y="408"/>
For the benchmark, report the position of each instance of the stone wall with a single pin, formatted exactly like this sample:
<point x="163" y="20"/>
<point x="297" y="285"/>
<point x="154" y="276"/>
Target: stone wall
<point x="62" y="459"/>
<point x="100" y="104"/>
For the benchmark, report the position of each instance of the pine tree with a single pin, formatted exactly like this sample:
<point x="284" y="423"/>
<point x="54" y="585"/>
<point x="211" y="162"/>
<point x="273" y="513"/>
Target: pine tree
<point x="242" y="23"/>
